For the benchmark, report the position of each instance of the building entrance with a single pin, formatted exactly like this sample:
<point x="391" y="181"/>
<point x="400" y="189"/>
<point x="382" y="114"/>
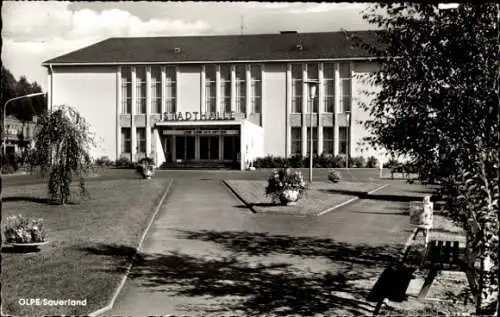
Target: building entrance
<point x="211" y="144"/>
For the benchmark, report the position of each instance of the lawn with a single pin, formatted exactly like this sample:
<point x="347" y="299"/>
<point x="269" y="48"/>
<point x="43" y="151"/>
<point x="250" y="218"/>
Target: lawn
<point x="320" y="197"/>
<point x="117" y="214"/>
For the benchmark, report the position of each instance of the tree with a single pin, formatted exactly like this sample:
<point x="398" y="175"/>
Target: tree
<point x="438" y="104"/>
<point x="62" y="146"/>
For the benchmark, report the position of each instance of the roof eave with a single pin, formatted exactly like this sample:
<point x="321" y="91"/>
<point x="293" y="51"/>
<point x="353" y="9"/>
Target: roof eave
<point x="46" y="64"/>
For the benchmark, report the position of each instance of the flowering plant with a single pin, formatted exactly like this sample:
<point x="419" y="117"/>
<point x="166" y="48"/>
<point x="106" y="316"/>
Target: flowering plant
<point x="18" y="229"/>
<point x="333" y="176"/>
<point x="281" y="180"/>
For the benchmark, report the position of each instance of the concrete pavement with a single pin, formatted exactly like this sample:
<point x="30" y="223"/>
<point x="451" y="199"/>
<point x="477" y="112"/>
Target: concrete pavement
<point x="207" y="254"/>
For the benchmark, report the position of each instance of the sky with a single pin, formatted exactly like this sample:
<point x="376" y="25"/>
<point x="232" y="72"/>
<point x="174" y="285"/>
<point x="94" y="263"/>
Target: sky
<point x="35" y="31"/>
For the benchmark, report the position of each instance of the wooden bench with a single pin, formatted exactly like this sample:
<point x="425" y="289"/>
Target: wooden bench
<point x="441" y="255"/>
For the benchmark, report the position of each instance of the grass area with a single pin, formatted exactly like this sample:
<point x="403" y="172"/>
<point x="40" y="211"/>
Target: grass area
<point x="319" y="197"/>
<point x="65" y="268"/>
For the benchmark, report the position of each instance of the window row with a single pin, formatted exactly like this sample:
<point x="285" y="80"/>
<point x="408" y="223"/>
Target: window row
<point x="328" y="140"/>
<point x="140" y="138"/>
<point x="155" y="89"/>
<point x="310" y="71"/>
<point x="212" y="81"/>
<point x="224" y="82"/>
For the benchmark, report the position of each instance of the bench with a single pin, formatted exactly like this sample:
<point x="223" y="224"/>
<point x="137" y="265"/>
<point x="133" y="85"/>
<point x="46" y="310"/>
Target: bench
<point x="441" y="255"/>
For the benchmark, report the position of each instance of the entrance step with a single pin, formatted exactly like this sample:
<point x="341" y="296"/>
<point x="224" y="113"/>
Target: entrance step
<point x="201" y="165"/>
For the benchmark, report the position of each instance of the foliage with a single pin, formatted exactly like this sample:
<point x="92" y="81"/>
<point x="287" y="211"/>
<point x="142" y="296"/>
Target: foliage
<point x="333" y="176"/>
<point x="145" y="167"/>
<point x="104" y="161"/>
<point x="63" y="144"/>
<point x="372" y="162"/>
<point x="321" y="161"/>
<point x="284" y="179"/>
<point x="437" y="104"/>
<point x="24" y="109"/>
<point x="357" y="161"/>
<point x="124" y="162"/>
<point x="19" y="229"/>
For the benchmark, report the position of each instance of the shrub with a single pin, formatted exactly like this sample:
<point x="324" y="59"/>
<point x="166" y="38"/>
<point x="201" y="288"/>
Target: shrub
<point x="103" y="161"/>
<point x="372" y="162"/>
<point x="357" y="161"/>
<point x="123" y="162"/>
<point x="21" y="230"/>
<point x="333" y="176"/>
<point x="338" y="161"/>
<point x="295" y="161"/>
<point x="146" y="161"/>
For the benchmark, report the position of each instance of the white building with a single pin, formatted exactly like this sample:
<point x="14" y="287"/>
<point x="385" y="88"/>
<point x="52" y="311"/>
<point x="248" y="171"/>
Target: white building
<point x="217" y="99"/>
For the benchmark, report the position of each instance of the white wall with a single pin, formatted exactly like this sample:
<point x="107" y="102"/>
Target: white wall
<point x="358" y="132"/>
<point x="252" y="142"/>
<point x="91" y="91"/>
<point x="189" y="88"/>
<point x="274" y="109"/>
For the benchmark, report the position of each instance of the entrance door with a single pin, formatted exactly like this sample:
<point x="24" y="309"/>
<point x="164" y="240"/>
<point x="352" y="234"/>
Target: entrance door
<point x="231" y="147"/>
<point x="209" y="147"/>
<point x="184" y="147"/>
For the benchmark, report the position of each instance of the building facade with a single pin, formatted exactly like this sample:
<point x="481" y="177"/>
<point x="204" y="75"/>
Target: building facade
<point x="18" y="135"/>
<point x="222" y="99"/>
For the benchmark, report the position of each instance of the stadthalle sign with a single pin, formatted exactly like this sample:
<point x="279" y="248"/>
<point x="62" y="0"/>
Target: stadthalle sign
<point x="196" y="116"/>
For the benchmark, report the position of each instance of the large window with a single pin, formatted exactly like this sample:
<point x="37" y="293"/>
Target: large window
<point x="126" y="140"/>
<point x="343" y="137"/>
<point x="312" y="74"/>
<point x="126" y="74"/>
<point x="155" y="89"/>
<point x="170" y="89"/>
<point x="328" y="140"/>
<point x="141" y="140"/>
<point x="140" y="89"/>
<point x="210" y="97"/>
<point x="296" y="141"/>
<point x="315" y="140"/>
<point x="225" y="87"/>
<point x="297" y="88"/>
<point x="255" y="88"/>
<point x="240" y="88"/>
<point x="329" y="87"/>
<point x="345" y="87"/>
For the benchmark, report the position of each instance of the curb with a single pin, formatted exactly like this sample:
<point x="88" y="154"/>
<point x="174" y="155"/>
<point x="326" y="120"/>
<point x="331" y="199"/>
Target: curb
<point x="127" y="271"/>
<point x="351" y="200"/>
<point x="235" y="193"/>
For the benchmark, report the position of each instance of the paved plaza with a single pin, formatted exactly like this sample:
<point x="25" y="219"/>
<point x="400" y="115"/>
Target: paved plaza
<point x="206" y="253"/>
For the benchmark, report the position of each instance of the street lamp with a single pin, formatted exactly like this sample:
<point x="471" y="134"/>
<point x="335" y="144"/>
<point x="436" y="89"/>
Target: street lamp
<point x="3" y="115"/>
<point x="312" y="93"/>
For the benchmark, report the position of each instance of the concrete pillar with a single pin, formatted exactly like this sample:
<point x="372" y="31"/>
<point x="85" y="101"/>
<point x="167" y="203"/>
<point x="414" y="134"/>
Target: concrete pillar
<point x="148" y="111"/>
<point x="133" y="135"/>
<point x="118" y="112"/>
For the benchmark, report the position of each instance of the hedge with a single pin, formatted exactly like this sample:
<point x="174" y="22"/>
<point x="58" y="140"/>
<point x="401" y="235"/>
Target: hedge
<point x="321" y="161"/>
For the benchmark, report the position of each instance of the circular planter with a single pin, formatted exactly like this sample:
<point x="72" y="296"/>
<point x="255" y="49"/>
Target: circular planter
<point x="289" y="197"/>
<point x="28" y="246"/>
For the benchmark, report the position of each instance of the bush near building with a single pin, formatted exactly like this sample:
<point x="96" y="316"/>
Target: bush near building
<point x="321" y="161"/>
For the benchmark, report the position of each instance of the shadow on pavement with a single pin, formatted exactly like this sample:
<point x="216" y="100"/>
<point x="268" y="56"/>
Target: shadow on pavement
<point x="406" y="197"/>
<point x="270" y="288"/>
<point x="38" y="200"/>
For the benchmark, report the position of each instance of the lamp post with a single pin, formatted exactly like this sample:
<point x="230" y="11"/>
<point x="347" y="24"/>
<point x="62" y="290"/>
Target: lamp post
<point x="3" y="116"/>
<point x="312" y="93"/>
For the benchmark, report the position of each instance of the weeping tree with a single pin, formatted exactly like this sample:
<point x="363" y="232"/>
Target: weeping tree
<point x="62" y="146"/>
<point x="437" y="102"/>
